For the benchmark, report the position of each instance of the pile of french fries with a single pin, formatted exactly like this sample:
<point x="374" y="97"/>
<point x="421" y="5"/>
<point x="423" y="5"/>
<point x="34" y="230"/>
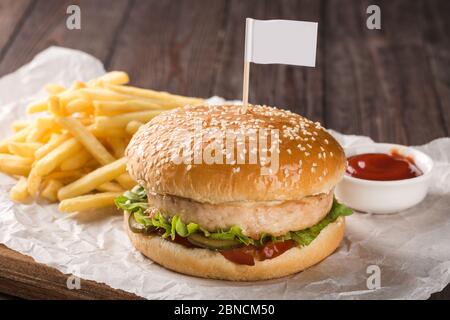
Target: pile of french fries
<point x="74" y="152"/>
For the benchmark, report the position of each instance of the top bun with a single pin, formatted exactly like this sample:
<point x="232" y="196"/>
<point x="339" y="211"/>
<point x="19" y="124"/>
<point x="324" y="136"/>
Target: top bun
<point x="310" y="161"/>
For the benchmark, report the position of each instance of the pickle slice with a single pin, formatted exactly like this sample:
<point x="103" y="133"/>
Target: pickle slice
<point x="208" y="243"/>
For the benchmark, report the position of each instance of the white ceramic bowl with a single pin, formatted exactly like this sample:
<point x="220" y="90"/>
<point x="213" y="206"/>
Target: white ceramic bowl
<point x="385" y="197"/>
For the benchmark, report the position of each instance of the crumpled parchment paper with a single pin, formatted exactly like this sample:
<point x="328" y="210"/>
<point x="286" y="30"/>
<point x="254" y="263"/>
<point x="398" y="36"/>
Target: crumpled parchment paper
<point x="411" y="249"/>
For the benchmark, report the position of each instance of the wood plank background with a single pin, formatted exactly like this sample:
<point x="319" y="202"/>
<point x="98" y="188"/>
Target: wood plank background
<point x="391" y="84"/>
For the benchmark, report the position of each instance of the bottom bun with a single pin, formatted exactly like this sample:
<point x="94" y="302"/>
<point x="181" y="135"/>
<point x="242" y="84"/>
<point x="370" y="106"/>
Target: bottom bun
<point x="206" y="263"/>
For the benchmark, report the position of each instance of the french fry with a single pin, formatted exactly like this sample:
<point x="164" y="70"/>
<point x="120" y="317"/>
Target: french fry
<point x="112" y="108"/>
<point x="76" y="162"/>
<point x="101" y="94"/>
<point x="54" y="88"/>
<point x="55" y="141"/>
<point x="87" y="139"/>
<point x="79" y="105"/>
<point x="35" y="134"/>
<point x="90" y="201"/>
<point x="113" y="77"/>
<point x="120" y="121"/>
<point x="19" y="136"/>
<point x="24" y="149"/>
<point x="119" y="133"/>
<point x="47" y="123"/>
<point x="19" y="192"/>
<point x="151" y="94"/>
<point x="14" y="159"/>
<point x="93" y="179"/>
<point x="15" y="169"/>
<point x="50" y="191"/>
<point x="126" y="181"/>
<point x="46" y="137"/>
<point x="54" y="106"/>
<point x="66" y="177"/>
<point x="118" y="146"/>
<point x="67" y="96"/>
<point x="133" y="127"/>
<point x="37" y="106"/>
<point x="78" y="85"/>
<point x="19" y="125"/>
<point x="86" y="120"/>
<point x="54" y="158"/>
<point x="110" y="187"/>
<point x="33" y="183"/>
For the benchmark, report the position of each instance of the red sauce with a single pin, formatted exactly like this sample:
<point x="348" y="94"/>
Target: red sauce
<point x="247" y="255"/>
<point x="274" y="249"/>
<point x="382" y="167"/>
<point x="242" y="255"/>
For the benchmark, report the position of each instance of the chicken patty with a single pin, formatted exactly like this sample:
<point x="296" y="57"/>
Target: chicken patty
<point x="254" y="218"/>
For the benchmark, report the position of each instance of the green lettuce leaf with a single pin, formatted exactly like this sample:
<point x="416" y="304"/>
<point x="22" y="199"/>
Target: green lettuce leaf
<point x="232" y="234"/>
<point x="135" y="202"/>
<point x="306" y="236"/>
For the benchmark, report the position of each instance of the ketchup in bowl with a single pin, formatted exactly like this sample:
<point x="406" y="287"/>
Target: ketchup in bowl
<point x="382" y="167"/>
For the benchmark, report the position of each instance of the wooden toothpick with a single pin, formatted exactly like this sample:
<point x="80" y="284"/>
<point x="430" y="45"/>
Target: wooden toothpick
<point x="245" y="86"/>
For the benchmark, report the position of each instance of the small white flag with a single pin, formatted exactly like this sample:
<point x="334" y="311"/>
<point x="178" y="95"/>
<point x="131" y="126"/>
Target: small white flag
<point x="281" y="41"/>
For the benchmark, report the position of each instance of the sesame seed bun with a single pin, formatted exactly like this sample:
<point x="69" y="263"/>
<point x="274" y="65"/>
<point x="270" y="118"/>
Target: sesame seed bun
<point x="310" y="160"/>
<point x="211" y="264"/>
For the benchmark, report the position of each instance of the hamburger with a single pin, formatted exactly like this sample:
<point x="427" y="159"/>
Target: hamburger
<point x="231" y="195"/>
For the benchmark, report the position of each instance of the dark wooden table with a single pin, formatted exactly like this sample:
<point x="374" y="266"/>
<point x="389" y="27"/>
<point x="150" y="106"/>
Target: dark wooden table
<point x="391" y="84"/>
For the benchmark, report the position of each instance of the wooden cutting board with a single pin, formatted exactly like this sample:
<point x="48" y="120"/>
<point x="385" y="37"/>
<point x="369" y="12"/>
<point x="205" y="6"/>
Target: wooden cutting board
<point x="21" y="276"/>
